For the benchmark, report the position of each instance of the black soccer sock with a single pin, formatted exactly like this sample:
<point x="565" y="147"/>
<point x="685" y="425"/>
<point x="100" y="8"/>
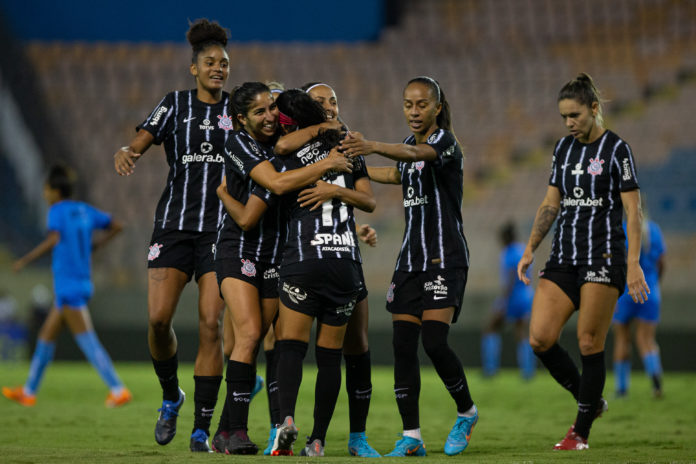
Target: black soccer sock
<point x="204" y="397"/>
<point x="239" y="388"/>
<point x="326" y="390"/>
<point x="359" y="387"/>
<point x="290" y="355"/>
<point x="594" y="373"/>
<point x="562" y="368"/>
<point x="272" y="386"/>
<point x="407" y="380"/>
<point x="446" y="362"/>
<point x="166" y="373"/>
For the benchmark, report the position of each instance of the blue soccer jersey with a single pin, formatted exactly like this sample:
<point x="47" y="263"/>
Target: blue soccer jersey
<point x="74" y="221"/>
<point x="519" y="301"/>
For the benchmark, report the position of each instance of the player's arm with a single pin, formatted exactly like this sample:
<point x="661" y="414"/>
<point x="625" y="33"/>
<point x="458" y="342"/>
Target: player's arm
<point x="635" y="279"/>
<point x="292" y="141"/>
<point x="545" y="216"/>
<point x="361" y="198"/>
<point x="281" y="183"/>
<point x="355" y="146"/>
<point x="42" y="248"/>
<point x="384" y="174"/>
<point x="247" y="215"/>
<point x="126" y="157"/>
<point x="114" y="228"/>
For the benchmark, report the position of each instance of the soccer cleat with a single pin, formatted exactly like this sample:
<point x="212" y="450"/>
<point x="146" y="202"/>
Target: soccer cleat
<point x="219" y="442"/>
<point x="572" y="441"/>
<point x="314" y="449"/>
<point x="240" y="443"/>
<point x="17" y="395"/>
<point x="408" y="446"/>
<point x="114" y="401"/>
<point x="460" y="435"/>
<point x="601" y="408"/>
<point x="271" y="439"/>
<point x="166" y="422"/>
<point x="199" y="442"/>
<point x="285" y="437"/>
<point x="358" y="446"/>
<point x="257" y="387"/>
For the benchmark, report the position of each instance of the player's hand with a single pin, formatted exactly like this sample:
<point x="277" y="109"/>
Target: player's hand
<point x="338" y="162"/>
<point x="331" y="124"/>
<point x="637" y="286"/>
<point x="18" y="265"/>
<point x="355" y="145"/>
<point x="314" y="196"/>
<point x="522" y="266"/>
<point x="221" y="189"/>
<point x="124" y="161"/>
<point x="367" y="234"/>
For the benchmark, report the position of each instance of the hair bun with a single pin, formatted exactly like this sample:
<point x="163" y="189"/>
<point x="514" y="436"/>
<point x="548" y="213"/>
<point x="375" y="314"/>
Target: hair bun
<point x="202" y="31"/>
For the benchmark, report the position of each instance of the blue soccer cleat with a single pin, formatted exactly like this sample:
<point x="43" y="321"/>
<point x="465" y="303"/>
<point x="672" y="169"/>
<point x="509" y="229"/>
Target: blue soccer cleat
<point x="166" y="422"/>
<point x="408" y="446"/>
<point x="257" y="387"/>
<point x="358" y="446"/>
<point x="271" y="440"/>
<point x="459" y="436"/>
<point x="199" y="442"/>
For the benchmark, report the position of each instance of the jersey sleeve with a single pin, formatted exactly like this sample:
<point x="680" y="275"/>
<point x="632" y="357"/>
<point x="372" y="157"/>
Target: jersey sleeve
<point x="100" y="219"/>
<point x="241" y="156"/>
<point x="445" y="145"/>
<point x="359" y="168"/>
<point x="160" y="122"/>
<point x="55" y="219"/>
<point x="555" y="178"/>
<point x="264" y="195"/>
<point x="627" y="168"/>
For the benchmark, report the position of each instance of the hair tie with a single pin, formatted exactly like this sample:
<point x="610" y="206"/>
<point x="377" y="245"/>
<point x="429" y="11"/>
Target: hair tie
<point x="286" y="120"/>
<point x="434" y="82"/>
<point x="317" y="85"/>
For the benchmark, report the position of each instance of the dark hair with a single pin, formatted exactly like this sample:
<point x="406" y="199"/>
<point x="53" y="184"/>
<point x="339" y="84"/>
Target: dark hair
<point x="203" y="33"/>
<point x="507" y="233"/>
<point x="444" y="119"/>
<point x="302" y="108"/>
<point x="584" y="91"/>
<point x="242" y="98"/>
<point x="61" y="178"/>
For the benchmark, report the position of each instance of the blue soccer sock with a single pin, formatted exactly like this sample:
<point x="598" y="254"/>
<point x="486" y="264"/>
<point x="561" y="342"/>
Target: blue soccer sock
<point x="652" y="364"/>
<point x="490" y="353"/>
<point x="622" y="376"/>
<point x="526" y="359"/>
<point x="43" y="355"/>
<point x="99" y="358"/>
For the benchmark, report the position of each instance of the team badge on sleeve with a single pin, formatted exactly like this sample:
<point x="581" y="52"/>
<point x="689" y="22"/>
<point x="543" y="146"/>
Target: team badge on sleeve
<point x="595" y="167"/>
<point x="248" y="268"/>
<point x="225" y="122"/>
<point x="154" y="251"/>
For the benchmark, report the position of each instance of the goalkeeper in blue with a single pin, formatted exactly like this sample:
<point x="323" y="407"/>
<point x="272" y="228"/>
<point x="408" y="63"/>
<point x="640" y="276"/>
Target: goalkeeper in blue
<point x="70" y="227"/>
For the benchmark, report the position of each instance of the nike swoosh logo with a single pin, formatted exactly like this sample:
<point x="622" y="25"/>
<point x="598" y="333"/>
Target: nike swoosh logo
<point x="439" y="297"/>
<point x="207" y="410"/>
<point x="240" y="394"/>
<point x="189" y="119"/>
<point x="362" y="392"/>
<point x="411" y="451"/>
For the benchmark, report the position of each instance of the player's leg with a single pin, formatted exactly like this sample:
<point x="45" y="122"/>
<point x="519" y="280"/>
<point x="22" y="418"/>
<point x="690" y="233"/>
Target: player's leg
<point x="42" y="357"/>
<point x="491" y="343"/>
<point x="650" y="353"/>
<point x="358" y="379"/>
<point x="622" y="357"/>
<point x="271" y="370"/>
<point x="525" y="356"/>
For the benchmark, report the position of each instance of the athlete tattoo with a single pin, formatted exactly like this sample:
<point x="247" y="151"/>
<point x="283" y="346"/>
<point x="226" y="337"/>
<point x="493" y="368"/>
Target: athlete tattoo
<point x="542" y="224"/>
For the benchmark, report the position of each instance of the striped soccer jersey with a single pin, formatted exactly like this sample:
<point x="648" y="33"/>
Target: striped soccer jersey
<point x="329" y="231"/>
<point x="264" y="242"/>
<point x="194" y="135"/>
<point x="434" y="234"/>
<point x="590" y="178"/>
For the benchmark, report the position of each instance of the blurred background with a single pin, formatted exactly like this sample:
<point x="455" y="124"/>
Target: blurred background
<point x="75" y="81"/>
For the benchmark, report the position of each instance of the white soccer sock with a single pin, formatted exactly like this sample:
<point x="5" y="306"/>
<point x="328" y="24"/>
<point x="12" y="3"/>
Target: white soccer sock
<point x="471" y="412"/>
<point x="415" y="433"/>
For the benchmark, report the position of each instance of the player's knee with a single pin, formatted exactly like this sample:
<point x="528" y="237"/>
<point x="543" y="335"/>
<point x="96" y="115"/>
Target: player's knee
<point x="540" y="344"/>
<point x="435" y="339"/>
<point x="405" y="338"/>
<point x="590" y="343"/>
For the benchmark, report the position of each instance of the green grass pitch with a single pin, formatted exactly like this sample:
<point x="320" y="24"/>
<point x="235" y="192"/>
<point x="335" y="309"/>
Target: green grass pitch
<point x="519" y="421"/>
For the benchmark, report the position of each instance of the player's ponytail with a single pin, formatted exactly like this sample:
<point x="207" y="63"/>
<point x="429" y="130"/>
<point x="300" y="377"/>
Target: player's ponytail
<point x="203" y="33"/>
<point x="583" y="90"/>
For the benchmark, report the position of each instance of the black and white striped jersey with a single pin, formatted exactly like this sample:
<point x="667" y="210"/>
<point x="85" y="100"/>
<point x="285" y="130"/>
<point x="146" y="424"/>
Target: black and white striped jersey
<point x="590" y="178"/>
<point x="329" y="231"/>
<point x="194" y="135"/>
<point x="434" y="234"/>
<point x="263" y="243"/>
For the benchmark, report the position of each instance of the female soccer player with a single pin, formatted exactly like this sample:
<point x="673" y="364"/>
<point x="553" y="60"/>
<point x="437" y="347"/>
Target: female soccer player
<point x="431" y="271"/>
<point x="646" y="316"/>
<point x="70" y="227"/>
<point x="320" y="273"/>
<point x="514" y="304"/>
<point x="248" y="247"/>
<point x="593" y="179"/>
<point x="193" y="125"/>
